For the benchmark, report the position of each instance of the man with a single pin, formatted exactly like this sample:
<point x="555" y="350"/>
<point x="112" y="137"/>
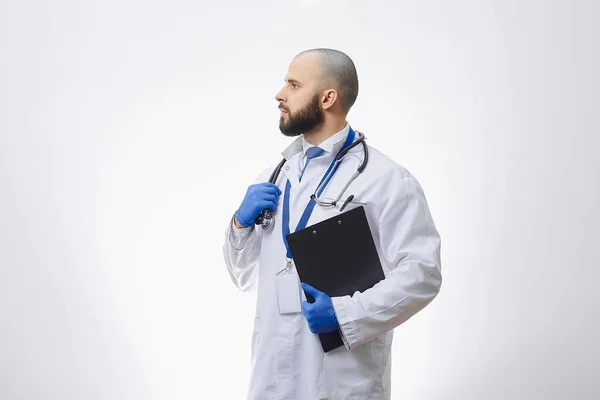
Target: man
<point x="288" y="361"/>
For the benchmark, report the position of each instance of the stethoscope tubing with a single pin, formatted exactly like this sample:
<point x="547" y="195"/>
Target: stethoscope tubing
<point x="265" y="218"/>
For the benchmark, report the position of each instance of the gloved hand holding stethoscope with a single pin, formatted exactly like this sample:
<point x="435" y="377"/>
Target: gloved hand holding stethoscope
<point x="259" y="197"/>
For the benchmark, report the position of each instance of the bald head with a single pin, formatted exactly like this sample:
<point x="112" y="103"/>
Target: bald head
<point x="337" y="72"/>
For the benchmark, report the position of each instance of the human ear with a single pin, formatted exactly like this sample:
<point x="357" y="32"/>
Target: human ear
<point x="329" y="98"/>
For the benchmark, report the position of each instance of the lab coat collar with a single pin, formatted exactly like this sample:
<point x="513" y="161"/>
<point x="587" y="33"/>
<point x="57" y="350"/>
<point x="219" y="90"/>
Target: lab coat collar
<point x="331" y="145"/>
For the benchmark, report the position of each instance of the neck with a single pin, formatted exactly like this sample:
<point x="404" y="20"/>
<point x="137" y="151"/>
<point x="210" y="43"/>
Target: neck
<point x="324" y="131"/>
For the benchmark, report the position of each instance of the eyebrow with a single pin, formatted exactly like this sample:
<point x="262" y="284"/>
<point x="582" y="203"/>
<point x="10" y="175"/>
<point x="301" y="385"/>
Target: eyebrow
<point x="292" y="81"/>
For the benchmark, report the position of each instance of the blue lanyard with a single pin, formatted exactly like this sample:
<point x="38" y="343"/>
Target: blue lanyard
<point x="285" y="226"/>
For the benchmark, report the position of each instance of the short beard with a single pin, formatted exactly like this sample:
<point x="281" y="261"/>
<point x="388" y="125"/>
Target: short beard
<point x="304" y="120"/>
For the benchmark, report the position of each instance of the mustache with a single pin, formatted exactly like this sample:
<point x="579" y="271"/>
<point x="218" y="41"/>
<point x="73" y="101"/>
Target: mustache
<point x="284" y="108"/>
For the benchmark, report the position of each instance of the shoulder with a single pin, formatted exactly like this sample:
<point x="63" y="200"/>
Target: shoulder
<point x="387" y="184"/>
<point x="266" y="172"/>
<point x="387" y="170"/>
<point x="391" y="191"/>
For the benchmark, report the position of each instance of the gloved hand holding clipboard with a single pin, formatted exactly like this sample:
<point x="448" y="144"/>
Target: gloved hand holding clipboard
<point x="338" y="256"/>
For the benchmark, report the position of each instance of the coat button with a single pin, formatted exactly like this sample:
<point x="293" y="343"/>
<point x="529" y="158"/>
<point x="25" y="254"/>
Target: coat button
<point x="287" y="167"/>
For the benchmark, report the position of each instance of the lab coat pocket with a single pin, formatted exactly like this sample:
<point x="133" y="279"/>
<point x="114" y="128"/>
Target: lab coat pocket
<point x="356" y="373"/>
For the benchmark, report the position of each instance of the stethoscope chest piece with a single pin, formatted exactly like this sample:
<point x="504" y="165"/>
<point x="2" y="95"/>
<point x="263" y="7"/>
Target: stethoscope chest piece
<point x="266" y="220"/>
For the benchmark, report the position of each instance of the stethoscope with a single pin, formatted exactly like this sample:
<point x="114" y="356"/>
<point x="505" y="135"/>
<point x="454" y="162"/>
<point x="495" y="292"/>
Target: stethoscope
<point x="265" y="218"/>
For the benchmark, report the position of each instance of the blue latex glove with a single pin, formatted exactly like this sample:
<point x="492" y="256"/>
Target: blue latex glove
<point x="320" y="315"/>
<point x="258" y="197"/>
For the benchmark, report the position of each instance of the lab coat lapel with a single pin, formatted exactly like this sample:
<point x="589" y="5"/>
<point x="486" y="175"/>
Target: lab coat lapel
<point x="290" y="171"/>
<point x="290" y="168"/>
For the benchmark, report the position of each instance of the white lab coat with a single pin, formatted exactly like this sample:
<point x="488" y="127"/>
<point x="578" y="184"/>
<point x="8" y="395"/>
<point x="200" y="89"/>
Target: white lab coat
<point x="287" y="361"/>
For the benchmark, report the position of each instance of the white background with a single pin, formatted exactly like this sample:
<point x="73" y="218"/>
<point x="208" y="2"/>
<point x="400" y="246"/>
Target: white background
<point x="129" y="131"/>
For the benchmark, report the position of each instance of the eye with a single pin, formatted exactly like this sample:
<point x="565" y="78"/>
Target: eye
<point x="294" y="86"/>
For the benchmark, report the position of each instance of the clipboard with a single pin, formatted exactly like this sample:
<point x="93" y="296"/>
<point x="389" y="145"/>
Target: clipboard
<point x="338" y="257"/>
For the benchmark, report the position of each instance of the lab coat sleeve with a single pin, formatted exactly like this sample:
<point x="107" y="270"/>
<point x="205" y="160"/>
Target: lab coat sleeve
<point x="241" y="250"/>
<point x="410" y="247"/>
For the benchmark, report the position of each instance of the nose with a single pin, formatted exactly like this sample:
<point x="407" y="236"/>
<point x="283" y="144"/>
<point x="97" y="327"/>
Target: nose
<point x="279" y="97"/>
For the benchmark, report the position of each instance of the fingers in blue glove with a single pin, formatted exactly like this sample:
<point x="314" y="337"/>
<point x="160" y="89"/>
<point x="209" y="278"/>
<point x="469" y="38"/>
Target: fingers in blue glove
<point x="319" y="315"/>
<point x="312" y="291"/>
<point x="306" y="308"/>
<point x="270" y="198"/>
<point x="264" y="205"/>
<point x="261" y="193"/>
<point x="270" y="195"/>
<point x="269" y="188"/>
<point x="259" y="197"/>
